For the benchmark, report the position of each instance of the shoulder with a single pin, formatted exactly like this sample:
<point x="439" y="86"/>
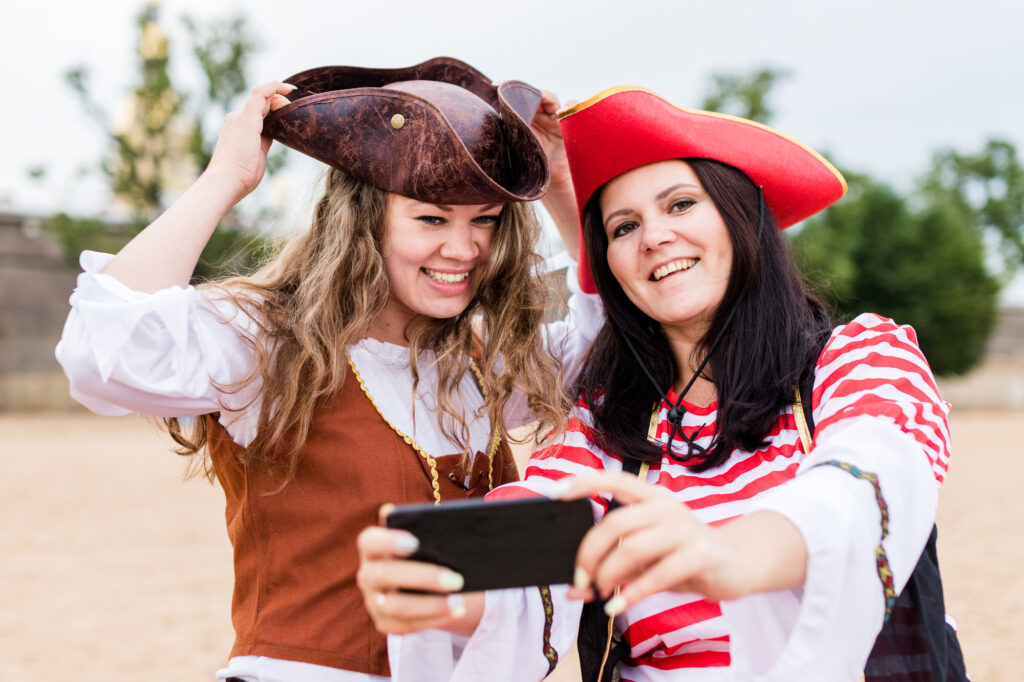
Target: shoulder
<point x="873" y="358"/>
<point x="870" y="337"/>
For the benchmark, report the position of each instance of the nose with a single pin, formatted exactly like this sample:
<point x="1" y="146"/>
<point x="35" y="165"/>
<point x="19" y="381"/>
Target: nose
<point x="460" y="243"/>
<point x="655" y="234"/>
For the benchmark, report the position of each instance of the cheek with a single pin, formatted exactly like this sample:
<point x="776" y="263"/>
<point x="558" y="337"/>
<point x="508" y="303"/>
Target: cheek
<point x="616" y="263"/>
<point x="485" y="243"/>
<point x="726" y="259"/>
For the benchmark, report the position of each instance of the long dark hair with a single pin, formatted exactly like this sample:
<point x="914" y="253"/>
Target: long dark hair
<point x="769" y="348"/>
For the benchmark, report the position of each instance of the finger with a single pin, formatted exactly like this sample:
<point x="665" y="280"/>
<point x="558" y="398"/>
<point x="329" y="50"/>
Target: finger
<point x="674" y="572"/>
<point x="549" y="102"/>
<point x="265" y="90"/>
<point x="578" y="594"/>
<point x="601" y="540"/>
<point x="391" y="613"/>
<point x="636" y="554"/>
<point x="569" y="104"/>
<point x="386" y="576"/>
<point x="277" y="101"/>
<point x="413" y="608"/>
<point x="623" y="487"/>
<point x="258" y="102"/>
<point x="376" y="543"/>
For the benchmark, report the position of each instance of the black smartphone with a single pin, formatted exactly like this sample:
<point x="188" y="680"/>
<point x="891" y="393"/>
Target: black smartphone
<point x="504" y="543"/>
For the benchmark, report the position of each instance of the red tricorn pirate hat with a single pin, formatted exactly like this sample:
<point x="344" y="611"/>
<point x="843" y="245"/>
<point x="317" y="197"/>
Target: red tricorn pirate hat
<point x="622" y="128"/>
<point x="439" y="131"/>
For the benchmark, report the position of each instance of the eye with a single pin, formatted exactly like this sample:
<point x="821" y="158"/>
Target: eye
<point x="622" y="229"/>
<point x="431" y="219"/>
<point x="489" y="219"/>
<point x="680" y="205"/>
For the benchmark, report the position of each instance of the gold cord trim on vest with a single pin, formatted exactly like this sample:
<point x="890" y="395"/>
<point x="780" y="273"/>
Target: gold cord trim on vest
<point x="496" y="440"/>
<point x="430" y="460"/>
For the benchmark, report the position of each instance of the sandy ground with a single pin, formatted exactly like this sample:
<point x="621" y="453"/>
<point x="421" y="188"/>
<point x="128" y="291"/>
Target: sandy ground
<point x="112" y="569"/>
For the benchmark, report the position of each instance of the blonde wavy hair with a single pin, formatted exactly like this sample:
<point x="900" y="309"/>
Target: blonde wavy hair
<point x="322" y="290"/>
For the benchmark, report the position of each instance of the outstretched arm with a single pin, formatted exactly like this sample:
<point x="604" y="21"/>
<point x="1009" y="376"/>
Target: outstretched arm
<point x="655" y="544"/>
<point x="165" y="253"/>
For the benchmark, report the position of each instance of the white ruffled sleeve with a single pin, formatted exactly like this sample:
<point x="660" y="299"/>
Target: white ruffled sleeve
<point x="841" y="606"/>
<point x="166" y="354"/>
<point x="507" y="645"/>
<point x="877" y="413"/>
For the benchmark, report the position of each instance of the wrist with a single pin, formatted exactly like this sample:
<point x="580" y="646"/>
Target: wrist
<point x="220" y="182"/>
<point x="762" y="552"/>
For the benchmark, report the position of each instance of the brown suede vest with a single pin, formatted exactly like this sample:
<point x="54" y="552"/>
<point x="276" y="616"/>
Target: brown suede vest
<point x="295" y="554"/>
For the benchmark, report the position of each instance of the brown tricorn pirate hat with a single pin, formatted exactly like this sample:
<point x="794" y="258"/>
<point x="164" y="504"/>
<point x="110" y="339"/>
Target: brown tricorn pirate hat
<point x="439" y="131"/>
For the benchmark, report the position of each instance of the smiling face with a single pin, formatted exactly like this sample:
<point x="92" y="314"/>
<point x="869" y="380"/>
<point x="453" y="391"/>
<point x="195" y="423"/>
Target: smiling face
<point x="668" y="246"/>
<point x="434" y="256"/>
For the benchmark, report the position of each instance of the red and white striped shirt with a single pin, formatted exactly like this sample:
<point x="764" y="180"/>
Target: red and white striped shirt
<point x="871" y="368"/>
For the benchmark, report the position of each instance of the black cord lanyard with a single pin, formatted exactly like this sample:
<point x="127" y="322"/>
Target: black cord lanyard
<point x="676" y="410"/>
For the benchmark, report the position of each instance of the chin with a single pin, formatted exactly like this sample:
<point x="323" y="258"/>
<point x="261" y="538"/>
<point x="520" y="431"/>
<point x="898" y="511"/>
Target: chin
<point x="445" y="311"/>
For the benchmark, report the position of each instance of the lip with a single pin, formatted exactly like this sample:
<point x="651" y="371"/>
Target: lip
<point x="448" y="287"/>
<point x="670" y="261"/>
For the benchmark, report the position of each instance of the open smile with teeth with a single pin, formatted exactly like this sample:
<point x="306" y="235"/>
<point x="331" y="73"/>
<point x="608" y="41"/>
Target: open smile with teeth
<point x="674" y="266"/>
<point x="446" y="277"/>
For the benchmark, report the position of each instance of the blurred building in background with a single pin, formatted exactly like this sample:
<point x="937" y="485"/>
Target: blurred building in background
<point x="36" y="280"/>
<point x="998" y="383"/>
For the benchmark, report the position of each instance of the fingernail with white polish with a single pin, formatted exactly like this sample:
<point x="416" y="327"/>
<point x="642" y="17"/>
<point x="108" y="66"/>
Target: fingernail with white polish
<point x="407" y="543"/>
<point x="456" y="605"/>
<point x="615" y="606"/>
<point x="580" y="578"/>
<point x="291" y="86"/>
<point x="450" y="581"/>
<point x="559" y="489"/>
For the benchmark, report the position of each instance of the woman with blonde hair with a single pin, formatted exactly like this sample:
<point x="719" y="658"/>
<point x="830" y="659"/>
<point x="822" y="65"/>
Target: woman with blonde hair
<point x="380" y="356"/>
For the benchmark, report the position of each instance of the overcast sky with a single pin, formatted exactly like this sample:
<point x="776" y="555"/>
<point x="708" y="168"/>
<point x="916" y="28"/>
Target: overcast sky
<point x="877" y="86"/>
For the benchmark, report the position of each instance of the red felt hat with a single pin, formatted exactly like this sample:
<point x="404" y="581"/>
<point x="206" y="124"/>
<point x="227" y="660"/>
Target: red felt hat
<point x="622" y="128"/>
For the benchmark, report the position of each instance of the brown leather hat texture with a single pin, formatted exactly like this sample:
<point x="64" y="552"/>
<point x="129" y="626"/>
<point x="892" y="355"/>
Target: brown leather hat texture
<point x="439" y="131"/>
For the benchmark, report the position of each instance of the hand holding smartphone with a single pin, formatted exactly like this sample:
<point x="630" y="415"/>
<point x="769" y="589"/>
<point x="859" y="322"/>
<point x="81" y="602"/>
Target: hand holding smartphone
<point x="499" y="544"/>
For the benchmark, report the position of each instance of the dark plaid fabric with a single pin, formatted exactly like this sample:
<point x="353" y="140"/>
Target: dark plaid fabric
<point x="917" y="644"/>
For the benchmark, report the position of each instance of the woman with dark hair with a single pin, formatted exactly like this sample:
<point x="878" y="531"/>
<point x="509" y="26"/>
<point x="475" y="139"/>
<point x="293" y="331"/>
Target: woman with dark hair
<point x="766" y="482"/>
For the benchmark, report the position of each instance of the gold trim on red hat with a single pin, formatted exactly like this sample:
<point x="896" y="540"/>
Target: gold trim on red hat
<point x="589" y="102"/>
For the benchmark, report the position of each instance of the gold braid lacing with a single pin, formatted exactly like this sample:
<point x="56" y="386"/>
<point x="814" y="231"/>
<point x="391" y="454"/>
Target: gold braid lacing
<point x="431" y="461"/>
<point x="496" y="440"/>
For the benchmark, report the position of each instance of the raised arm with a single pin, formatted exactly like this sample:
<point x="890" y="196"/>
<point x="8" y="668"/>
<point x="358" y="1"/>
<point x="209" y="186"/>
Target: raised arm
<point x="165" y="253"/>
<point x="560" y="201"/>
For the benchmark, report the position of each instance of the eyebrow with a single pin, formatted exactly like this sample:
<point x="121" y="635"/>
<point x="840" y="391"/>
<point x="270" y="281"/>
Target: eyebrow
<point x="659" y="196"/>
<point x="448" y="209"/>
<point x="665" y="192"/>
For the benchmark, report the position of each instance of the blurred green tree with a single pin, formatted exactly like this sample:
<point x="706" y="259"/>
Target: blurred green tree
<point x="919" y="259"/>
<point x="161" y="140"/>
<point x="924" y="267"/>
<point x="987" y="189"/>
<point x="744" y="95"/>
